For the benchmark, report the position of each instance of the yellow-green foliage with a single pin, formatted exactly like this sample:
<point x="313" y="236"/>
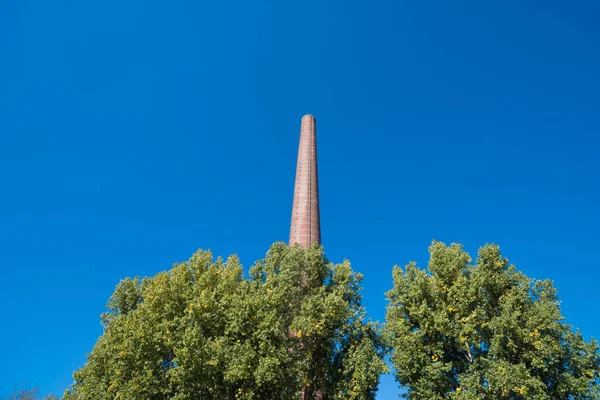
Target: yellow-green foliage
<point x="484" y="331"/>
<point x="203" y="331"/>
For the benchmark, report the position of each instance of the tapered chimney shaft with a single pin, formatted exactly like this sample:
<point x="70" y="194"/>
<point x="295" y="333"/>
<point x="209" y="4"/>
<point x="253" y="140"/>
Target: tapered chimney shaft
<point x="306" y="224"/>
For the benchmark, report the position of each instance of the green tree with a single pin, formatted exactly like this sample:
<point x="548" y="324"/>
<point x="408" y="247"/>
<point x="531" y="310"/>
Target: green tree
<point x="202" y="331"/>
<point x="484" y="331"/>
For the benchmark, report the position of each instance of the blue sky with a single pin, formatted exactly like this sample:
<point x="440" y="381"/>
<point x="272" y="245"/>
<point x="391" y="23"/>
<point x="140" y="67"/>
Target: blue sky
<point x="133" y="133"/>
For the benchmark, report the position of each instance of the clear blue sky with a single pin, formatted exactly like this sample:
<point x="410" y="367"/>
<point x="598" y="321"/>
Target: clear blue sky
<point x="135" y="132"/>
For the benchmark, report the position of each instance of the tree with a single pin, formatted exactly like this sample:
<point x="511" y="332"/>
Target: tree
<point x="29" y="394"/>
<point x="484" y="331"/>
<point x="203" y="331"/>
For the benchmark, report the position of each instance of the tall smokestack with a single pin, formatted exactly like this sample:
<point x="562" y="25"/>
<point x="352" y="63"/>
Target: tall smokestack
<point x="306" y="224"/>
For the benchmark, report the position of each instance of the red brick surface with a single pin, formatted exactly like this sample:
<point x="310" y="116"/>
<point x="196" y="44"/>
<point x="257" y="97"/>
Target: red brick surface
<point x="306" y="224"/>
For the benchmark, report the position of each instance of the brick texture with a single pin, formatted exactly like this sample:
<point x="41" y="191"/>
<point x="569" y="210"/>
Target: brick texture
<point x="306" y="224"/>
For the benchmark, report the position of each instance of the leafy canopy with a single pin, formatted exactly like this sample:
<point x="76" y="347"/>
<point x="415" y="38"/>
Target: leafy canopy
<point x="484" y="331"/>
<point x="203" y="331"/>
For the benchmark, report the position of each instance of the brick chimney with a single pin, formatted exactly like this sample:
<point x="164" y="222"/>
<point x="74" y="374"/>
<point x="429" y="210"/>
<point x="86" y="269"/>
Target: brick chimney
<point x="306" y="225"/>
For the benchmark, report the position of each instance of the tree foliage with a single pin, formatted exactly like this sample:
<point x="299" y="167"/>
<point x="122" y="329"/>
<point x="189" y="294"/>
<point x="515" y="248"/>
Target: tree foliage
<point x="484" y="331"/>
<point x="203" y="331"/>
